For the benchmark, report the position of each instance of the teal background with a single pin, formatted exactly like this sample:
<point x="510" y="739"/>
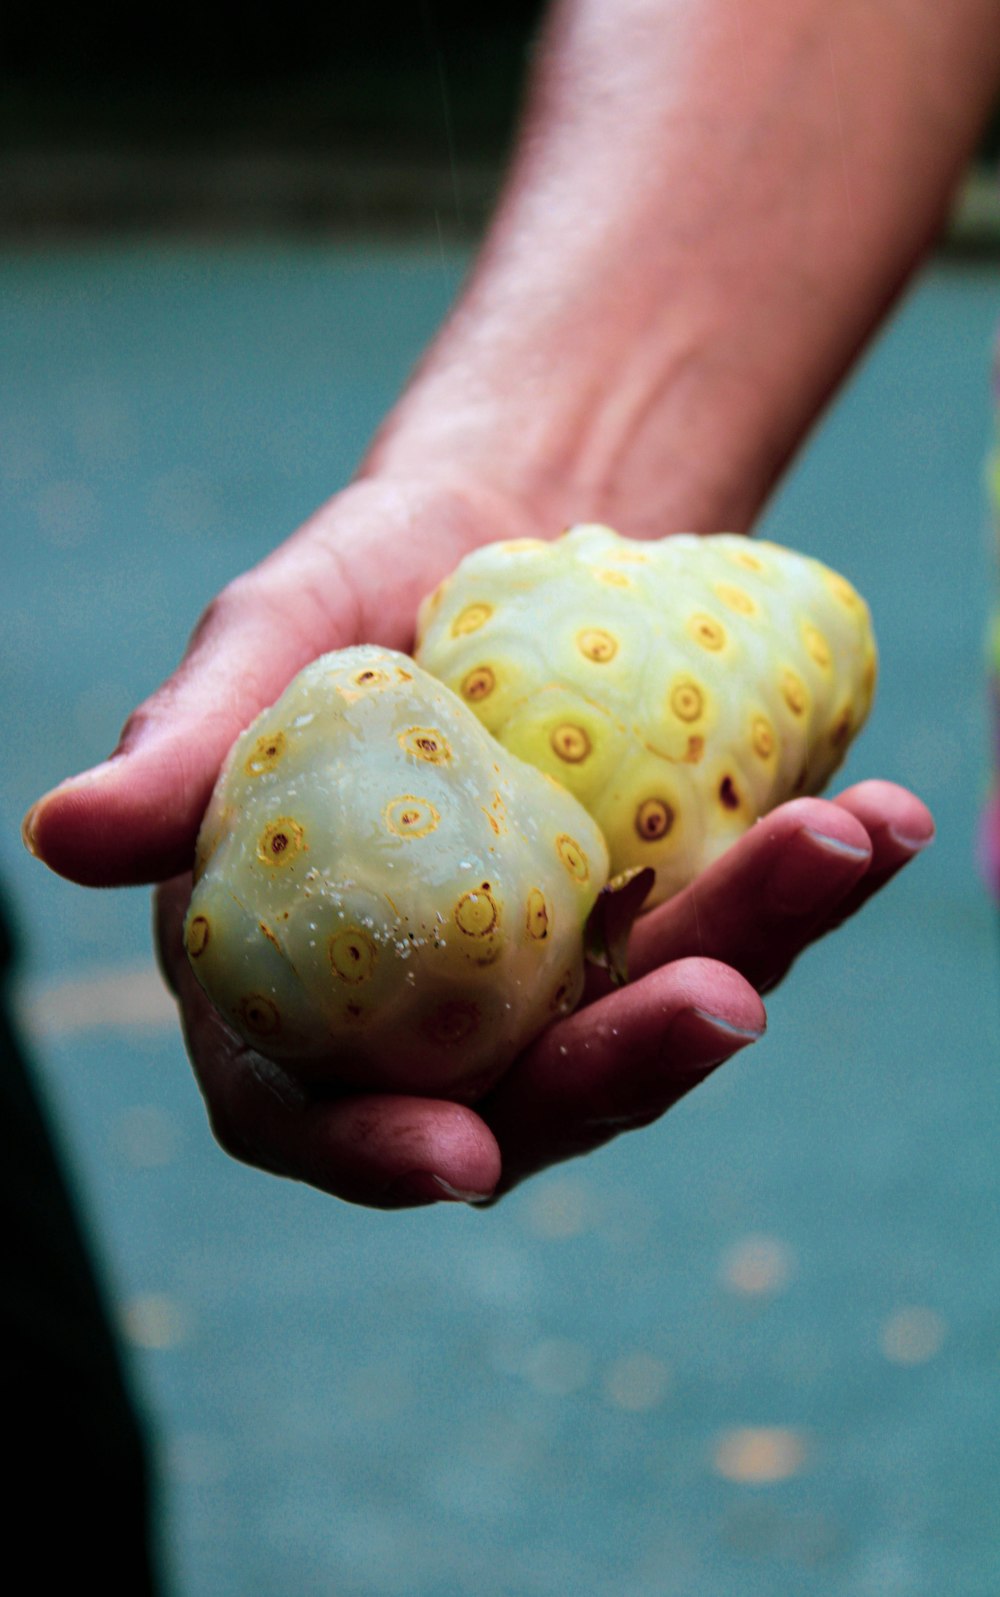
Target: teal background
<point x="536" y="1399"/>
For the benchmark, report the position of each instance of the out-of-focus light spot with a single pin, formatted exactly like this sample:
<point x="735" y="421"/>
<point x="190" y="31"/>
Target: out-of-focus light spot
<point x="759" y="1455"/>
<point x="154" y="1321"/>
<point x="559" y="1210"/>
<point x="67" y="514"/>
<point x="147" y="1136"/>
<point x="557" y="1366"/>
<point x="912" y="1335"/>
<point x="637" y="1381"/>
<point x="757" y="1266"/>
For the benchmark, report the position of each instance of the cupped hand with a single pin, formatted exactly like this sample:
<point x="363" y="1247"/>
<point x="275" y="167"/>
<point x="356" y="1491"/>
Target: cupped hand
<point x="618" y="1063"/>
<point x="356" y="572"/>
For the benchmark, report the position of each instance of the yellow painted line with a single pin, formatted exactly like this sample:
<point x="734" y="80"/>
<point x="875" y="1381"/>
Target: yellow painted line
<point x="122" y="998"/>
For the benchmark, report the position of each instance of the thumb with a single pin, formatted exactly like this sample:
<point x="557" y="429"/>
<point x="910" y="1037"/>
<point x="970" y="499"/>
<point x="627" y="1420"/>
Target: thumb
<point x="354" y="572"/>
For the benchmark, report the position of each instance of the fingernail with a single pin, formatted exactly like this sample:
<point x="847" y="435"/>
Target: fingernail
<point x="705" y="1040"/>
<point x="28" y="830"/>
<point x="421" y="1186"/>
<point x="809" y="866"/>
<point x="913" y="845"/>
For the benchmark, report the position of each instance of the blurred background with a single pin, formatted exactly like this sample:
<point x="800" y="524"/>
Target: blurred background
<point x="752" y="1349"/>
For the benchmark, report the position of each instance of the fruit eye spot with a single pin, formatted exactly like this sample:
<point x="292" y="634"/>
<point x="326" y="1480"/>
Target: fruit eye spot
<point x="819" y="649"/>
<point x="426" y="743"/>
<point x="687" y="701"/>
<point x="842" y="731"/>
<point x="260" y="1016"/>
<point x="573" y="857"/>
<point x="409" y="816"/>
<point x="842" y="590"/>
<point x="736" y="599"/>
<point x="352" y="955"/>
<point x="597" y="645"/>
<point x="478" y="684"/>
<point x="743" y="557"/>
<point x="370" y="678"/>
<point x="281" y="842"/>
<point x="538" y="915"/>
<point x="266" y="754"/>
<point x="199" y="932"/>
<point x="793" y="693"/>
<point x="711" y="634"/>
<point x="653" y="819"/>
<point x="570" y="743"/>
<point x="477" y="914"/>
<point x="728" y="796"/>
<point x="562" y="998"/>
<point x="762" y="737"/>
<point x="471" y="619"/>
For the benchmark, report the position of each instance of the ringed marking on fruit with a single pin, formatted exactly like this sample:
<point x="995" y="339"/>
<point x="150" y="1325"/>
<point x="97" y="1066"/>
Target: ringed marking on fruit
<point x="573" y="857"/>
<point x="707" y="631"/>
<point x="762" y="737"/>
<point x="597" y="645"/>
<point x="471" y="619"/>
<point x="426" y="743"/>
<point x="267" y="752"/>
<point x="538" y="915"/>
<point x="687" y="700"/>
<point x="477" y="913"/>
<point x="281" y="842"/>
<point x="478" y="684"/>
<point x="817" y="646"/>
<point x="260" y="1015"/>
<point x="198" y="935"/>
<point x="736" y="599"/>
<point x="793" y="692"/>
<point x="653" y="819"/>
<point x="352" y="955"/>
<point x="570" y="743"/>
<point x="452" y="1023"/>
<point x="409" y="816"/>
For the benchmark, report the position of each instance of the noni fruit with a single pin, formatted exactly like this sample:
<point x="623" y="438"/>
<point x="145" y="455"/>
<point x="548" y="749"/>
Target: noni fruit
<point x="383" y="894"/>
<point x="679" y="689"/>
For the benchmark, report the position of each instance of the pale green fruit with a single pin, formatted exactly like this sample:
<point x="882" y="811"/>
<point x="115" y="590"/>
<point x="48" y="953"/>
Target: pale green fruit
<point x="678" y="688"/>
<point x="384" y="896"/>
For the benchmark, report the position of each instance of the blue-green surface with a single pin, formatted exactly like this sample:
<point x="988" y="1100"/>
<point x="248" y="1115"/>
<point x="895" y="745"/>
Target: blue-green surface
<point x="543" y="1398"/>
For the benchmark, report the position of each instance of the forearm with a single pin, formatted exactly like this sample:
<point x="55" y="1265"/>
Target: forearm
<point x="711" y="207"/>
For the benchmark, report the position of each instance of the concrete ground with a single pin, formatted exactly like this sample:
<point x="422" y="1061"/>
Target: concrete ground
<point x="752" y="1349"/>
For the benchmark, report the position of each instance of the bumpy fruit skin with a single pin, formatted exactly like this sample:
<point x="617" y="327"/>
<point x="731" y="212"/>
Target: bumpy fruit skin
<point x="384" y="896"/>
<point x="679" y="689"/>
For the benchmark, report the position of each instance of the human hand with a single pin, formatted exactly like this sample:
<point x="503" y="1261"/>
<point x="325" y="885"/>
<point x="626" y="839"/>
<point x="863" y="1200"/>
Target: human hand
<point x="356" y="571"/>
<point x="616" y="1064"/>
